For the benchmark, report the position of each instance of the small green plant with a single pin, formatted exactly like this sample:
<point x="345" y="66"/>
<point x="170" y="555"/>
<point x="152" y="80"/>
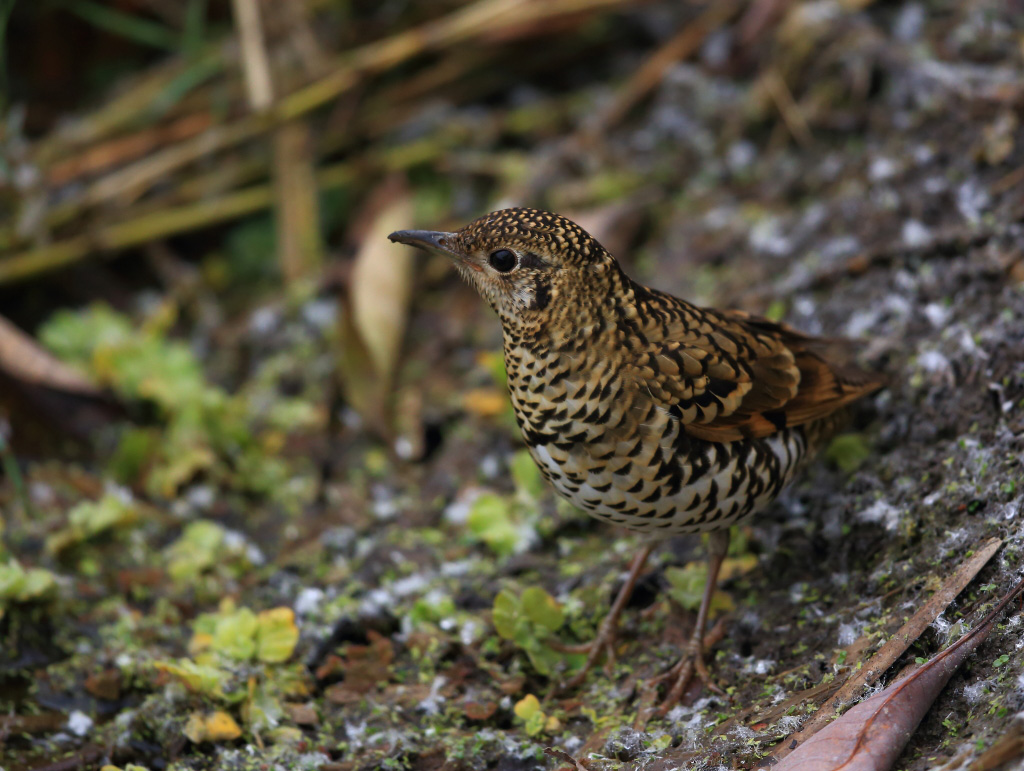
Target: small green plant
<point x="230" y="438"/>
<point x="91" y="518"/>
<point x="848" y="451"/>
<point x="507" y="523"/>
<point x="19" y="585"/>
<point x="491" y="520"/>
<point x="534" y="720"/>
<point x="531" y="620"/>
<point x="240" y="657"/>
<point x="205" y="546"/>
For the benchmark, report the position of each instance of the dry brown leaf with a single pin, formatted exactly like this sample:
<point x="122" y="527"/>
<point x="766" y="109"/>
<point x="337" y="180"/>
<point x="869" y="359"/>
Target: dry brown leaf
<point x="23" y="358"/>
<point x="364" y="668"/>
<point x="375" y="314"/>
<point x="565" y="757"/>
<point x="871" y="736"/>
<point x="894" y="648"/>
<point x="382" y="281"/>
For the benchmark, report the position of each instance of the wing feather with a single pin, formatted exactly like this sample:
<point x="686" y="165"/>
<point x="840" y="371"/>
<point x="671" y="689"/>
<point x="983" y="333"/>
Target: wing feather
<point x="728" y="375"/>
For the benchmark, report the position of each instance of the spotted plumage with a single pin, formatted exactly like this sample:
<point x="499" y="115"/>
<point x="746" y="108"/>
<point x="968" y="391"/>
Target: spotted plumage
<point x="640" y="408"/>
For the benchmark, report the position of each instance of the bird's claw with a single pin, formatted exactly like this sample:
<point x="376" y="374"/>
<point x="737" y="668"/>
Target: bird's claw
<point x="602" y="644"/>
<point x="681" y="675"/>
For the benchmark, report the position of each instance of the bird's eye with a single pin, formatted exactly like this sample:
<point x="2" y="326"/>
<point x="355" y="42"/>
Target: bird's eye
<point x="503" y="260"/>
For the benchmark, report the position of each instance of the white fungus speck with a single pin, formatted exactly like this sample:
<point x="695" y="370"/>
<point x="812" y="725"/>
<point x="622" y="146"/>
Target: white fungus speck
<point x="79" y="723"/>
<point x="882" y="169"/>
<point x="933" y="361"/>
<point x="847" y="635"/>
<point x="937" y="315"/>
<point x="309" y="600"/>
<point x="915" y="233"/>
<point x="881" y="513"/>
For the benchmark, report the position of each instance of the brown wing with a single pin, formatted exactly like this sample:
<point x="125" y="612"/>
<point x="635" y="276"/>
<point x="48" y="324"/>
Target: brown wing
<point x="730" y="376"/>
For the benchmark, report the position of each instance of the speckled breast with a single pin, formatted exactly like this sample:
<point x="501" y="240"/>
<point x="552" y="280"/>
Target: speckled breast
<point x="608" y="449"/>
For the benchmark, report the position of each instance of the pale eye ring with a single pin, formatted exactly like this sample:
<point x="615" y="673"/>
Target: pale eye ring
<point x="503" y="260"/>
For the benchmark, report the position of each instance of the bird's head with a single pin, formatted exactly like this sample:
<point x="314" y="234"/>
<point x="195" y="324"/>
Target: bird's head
<point x="526" y="263"/>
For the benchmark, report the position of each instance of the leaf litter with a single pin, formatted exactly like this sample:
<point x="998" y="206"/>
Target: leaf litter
<point x="871" y="736"/>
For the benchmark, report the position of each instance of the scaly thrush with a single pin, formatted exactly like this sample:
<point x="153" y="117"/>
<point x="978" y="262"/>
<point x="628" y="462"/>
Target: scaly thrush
<point x="640" y="408"/>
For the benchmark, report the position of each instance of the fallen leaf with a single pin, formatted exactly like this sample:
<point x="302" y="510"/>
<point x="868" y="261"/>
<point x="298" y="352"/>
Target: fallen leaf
<point x="276" y="635"/>
<point x="23" y="358"/>
<point x="477" y="710"/>
<point x="341" y="694"/>
<point x="565" y="757"/>
<point x="302" y="714"/>
<point x="364" y="667"/>
<point x="105" y="685"/>
<point x="375" y="314"/>
<point x="1009" y="747"/>
<point x="895" y="647"/>
<point x="871" y="736"/>
<point x="512" y="686"/>
<point x="217" y="726"/>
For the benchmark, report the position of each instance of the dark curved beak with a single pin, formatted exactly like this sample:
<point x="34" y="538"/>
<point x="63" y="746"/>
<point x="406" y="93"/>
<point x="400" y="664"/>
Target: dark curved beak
<point x="431" y="240"/>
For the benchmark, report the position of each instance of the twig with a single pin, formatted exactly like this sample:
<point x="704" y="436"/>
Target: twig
<point x="22" y="357"/>
<point x="1008" y="181"/>
<point x="148" y="94"/>
<point x="896" y="645"/>
<point x="298" y="216"/>
<point x="474" y="20"/>
<point x="565" y="757"/>
<point x="254" y="55"/>
<point x="787" y="106"/>
<point x="650" y="74"/>
<point x="170" y="221"/>
<point x="114" y="152"/>
<point x="133" y="180"/>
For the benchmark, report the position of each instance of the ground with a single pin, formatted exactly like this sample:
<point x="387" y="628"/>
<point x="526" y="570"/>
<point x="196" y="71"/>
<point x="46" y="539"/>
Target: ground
<point x="257" y="575"/>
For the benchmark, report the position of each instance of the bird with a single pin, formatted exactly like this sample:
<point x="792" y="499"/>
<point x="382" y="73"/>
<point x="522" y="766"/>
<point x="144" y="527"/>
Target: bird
<point x="640" y="408"/>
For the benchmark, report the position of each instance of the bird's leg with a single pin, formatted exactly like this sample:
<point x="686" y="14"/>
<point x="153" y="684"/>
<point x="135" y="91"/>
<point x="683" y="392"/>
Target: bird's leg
<point x="604" y="642"/>
<point x="692" y="661"/>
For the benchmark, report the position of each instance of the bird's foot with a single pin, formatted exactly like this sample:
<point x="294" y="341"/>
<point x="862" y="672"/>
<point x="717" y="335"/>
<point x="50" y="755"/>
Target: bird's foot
<point x="680" y="677"/>
<point x="607" y="633"/>
<point x="603" y="644"/>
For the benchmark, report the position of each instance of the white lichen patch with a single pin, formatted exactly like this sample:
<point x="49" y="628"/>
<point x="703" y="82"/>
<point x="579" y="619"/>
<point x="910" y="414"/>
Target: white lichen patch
<point x="308" y="600"/>
<point x="915" y="233"/>
<point x="881" y="512"/>
<point x="759" y="667"/>
<point x="79" y="723"/>
<point x="849" y="633"/>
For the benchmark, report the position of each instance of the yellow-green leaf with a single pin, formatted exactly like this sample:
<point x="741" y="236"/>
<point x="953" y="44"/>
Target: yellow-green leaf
<point x="217" y="726"/>
<point x="848" y="451"/>
<point x="542" y="609"/>
<point x="527" y="706"/>
<point x="490" y="521"/>
<point x="505" y="614"/>
<point x="235" y="634"/>
<point x="277" y="635"/>
<point x="200" y="678"/>
<point x="527" y="476"/>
